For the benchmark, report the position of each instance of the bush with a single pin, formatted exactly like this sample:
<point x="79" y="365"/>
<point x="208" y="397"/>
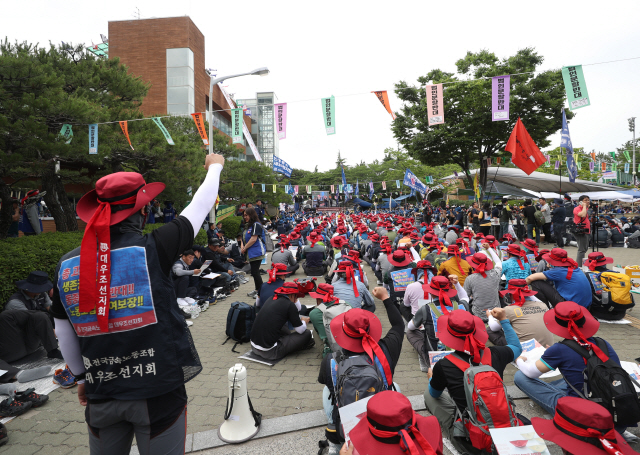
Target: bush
<point x="231" y="226"/>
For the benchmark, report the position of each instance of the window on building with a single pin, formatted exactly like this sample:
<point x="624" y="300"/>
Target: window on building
<point x="180" y="81"/>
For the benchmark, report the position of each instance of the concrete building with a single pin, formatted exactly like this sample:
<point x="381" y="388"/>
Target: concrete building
<point x="263" y="126"/>
<point x="169" y="54"/>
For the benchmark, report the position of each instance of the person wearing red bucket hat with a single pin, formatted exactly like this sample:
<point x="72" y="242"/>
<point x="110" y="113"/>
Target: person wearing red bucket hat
<point x="115" y="255"/>
<point x="483" y="284"/>
<point x="391" y="427"/>
<point x="327" y="307"/>
<point x="516" y="266"/>
<point x="466" y="335"/>
<point x="569" y="282"/>
<point x="597" y="262"/>
<point x="422" y="272"/>
<point x="347" y="287"/>
<point x="282" y="255"/>
<point x="582" y="427"/>
<point x="268" y="338"/>
<point x="359" y="334"/>
<point x="399" y="275"/>
<point x="455" y="265"/>
<point x="575" y="325"/>
<point x="315" y="254"/>
<point x="276" y="276"/>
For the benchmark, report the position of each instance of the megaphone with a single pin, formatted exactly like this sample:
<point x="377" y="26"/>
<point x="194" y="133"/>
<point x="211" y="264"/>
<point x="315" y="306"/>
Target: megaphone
<point x="241" y="421"/>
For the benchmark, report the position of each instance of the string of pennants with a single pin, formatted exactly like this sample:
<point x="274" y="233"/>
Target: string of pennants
<point x="592" y="164"/>
<point x="346" y="188"/>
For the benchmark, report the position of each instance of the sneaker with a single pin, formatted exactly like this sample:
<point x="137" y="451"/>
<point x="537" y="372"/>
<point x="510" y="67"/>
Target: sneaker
<point x="182" y="302"/>
<point x="189" y="300"/>
<point x="12" y="408"/>
<point x="252" y="294"/>
<point x="204" y="306"/>
<point x="64" y="378"/>
<point x="380" y="283"/>
<point x="189" y="323"/>
<point x="29" y="396"/>
<point x="185" y="312"/>
<point x="194" y="310"/>
<point x="262" y="272"/>
<point x="424" y="367"/>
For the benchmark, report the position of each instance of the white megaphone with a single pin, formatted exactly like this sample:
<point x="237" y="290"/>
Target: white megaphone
<point x="241" y="421"/>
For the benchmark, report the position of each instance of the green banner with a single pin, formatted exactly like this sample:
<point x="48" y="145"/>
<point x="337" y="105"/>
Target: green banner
<point x="224" y="211"/>
<point x="579" y="164"/>
<point x="626" y="155"/>
<point x="575" y="87"/>
<point x="67" y="133"/>
<point x="613" y="155"/>
<point x="614" y="167"/>
<point x="236" y="125"/>
<point x="164" y="130"/>
<point x="329" y="112"/>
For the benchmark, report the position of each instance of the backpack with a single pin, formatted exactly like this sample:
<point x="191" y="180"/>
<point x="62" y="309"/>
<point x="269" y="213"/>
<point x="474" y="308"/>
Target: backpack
<point x="608" y="384"/>
<point x="488" y="403"/>
<point x="328" y="313"/>
<point x="239" y="323"/>
<point x="354" y="378"/>
<point x="633" y="243"/>
<point x="614" y="298"/>
<point x="539" y="216"/>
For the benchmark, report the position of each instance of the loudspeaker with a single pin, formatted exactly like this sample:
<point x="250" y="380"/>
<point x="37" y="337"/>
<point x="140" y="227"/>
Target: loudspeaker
<point x="241" y="421"/>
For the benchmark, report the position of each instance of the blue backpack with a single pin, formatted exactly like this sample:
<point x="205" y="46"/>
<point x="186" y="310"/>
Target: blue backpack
<point x="239" y="323"/>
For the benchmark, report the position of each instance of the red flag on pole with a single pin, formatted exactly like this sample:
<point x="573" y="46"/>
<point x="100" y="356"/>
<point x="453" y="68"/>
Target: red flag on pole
<point x="524" y="152"/>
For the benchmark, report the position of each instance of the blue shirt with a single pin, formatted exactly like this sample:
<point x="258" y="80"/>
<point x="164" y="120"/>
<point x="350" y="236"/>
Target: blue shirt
<point x="571" y="363"/>
<point x="512" y="270"/>
<point x="576" y="290"/>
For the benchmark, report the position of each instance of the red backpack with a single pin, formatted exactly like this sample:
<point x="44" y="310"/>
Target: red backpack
<point x="488" y="404"/>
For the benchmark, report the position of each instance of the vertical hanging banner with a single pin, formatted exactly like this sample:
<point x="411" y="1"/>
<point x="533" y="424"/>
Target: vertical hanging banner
<point x="384" y="185"/>
<point x="565" y="141"/>
<point x="592" y="166"/>
<point x="488" y="162"/>
<point x="500" y="88"/>
<point x="263" y="188"/>
<point x="557" y="166"/>
<point x="593" y="156"/>
<point x="578" y="164"/>
<point x="604" y="167"/>
<point x="274" y="188"/>
<point x="340" y="188"/>
<point x="329" y="112"/>
<point x="614" y="167"/>
<point x="626" y="155"/>
<point x="435" y="106"/>
<point x="370" y="190"/>
<point x="93" y="139"/>
<point x="547" y="163"/>
<point x="397" y="183"/>
<point x="384" y="99"/>
<point x="236" y="125"/>
<point x="357" y="190"/>
<point x="333" y="188"/>
<point x="125" y="129"/>
<point x="199" y="121"/>
<point x="295" y="189"/>
<point x="164" y="130"/>
<point x="281" y="119"/>
<point x="575" y="87"/>
<point x="626" y="168"/>
<point x="67" y="133"/>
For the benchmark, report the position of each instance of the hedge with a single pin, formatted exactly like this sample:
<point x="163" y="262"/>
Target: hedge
<point x="231" y="226"/>
<point x="42" y="252"/>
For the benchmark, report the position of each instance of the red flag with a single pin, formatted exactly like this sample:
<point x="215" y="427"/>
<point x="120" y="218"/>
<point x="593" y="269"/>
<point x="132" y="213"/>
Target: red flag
<point x="524" y="152"/>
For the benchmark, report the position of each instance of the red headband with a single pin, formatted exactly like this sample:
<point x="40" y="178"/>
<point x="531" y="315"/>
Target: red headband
<point x="607" y="440"/>
<point x="406" y="443"/>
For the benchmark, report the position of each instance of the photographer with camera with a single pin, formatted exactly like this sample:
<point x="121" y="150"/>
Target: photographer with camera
<point x="582" y="227"/>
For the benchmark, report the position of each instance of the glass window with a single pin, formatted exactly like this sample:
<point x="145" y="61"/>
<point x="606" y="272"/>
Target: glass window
<point x="180" y="76"/>
<point x="176" y="109"/>
<point x="179" y="57"/>
<point x="180" y="95"/>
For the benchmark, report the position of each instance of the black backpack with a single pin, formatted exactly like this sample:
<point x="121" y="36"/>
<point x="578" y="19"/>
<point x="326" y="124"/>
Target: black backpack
<point x="633" y="243"/>
<point x="608" y="384"/>
<point x="239" y="323"/>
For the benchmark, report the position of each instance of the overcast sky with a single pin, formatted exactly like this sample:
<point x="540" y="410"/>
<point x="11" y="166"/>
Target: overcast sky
<point x="350" y="48"/>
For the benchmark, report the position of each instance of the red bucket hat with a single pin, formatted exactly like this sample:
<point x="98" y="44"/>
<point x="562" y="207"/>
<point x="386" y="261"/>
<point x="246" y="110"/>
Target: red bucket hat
<point x="339" y="241"/>
<point x="462" y="331"/>
<point x="275" y="271"/>
<point x="541" y="253"/>
<point x="400" y="258"/>
<point x="518" y="289"/>
<point x="479" y="236"/>
<point x="491" y="240"/>
<point x="531" y="245"/>
<point x="597" y="259"/>
<point x="480" y="263"/>
<point x="390" y="426"/>
<point x="305" y="285"/>
<point x="441" y="288"/>
<point x="582" y="426"/>
<point x="467" y="233"/>
<point x="287" y="288"/>
<point x="346" y="267"/>
<point x="507" y="238"/>
<point x="325" y="292"/>
<point x="464" y="246"/>
<point x="558" y="257"/>
<point x="423" y="265"/>
<point x="358" y="330"/>
<point x="314" y="238"/>
<point x="571" y="321"/>
<point x="116" y="197"/>
<point x="453" y="250"/>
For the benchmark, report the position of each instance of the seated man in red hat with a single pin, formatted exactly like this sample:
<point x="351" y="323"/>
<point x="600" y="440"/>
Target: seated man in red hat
<point x="122" y="304"/>
<point x="455" y="265"/>
<point x="526" y="314"/>
<point x="327" y="307"/>
<point x="597" y="262"/>
<point x="452" y="235"/>
<point x="276" y="275"/>
<point x="391" y="427"/>
<point x="441" y="295"/>
<point x="465" y="250"/>
<point x="423" y="273"/>
<point x="582" y="427"/>
<point x="269" y="337"/>
<point x="282" y="255"/>
<point x="569" y="282"/>
<point x="466" y="335"/>
<point x="516" y="266"/>
<point x="400" y="260"/>
<point x="575" y="325"/>
<point x="483" y="284"/>
<point x="359" y="334"/>
<point x="314" y="254"/>
<point x="349" y="288"/>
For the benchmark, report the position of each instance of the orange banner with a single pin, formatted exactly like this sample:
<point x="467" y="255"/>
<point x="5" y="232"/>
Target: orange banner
<point x="125" y="130"/>
<point x="593" y="156"/>
<point x="384" y="99"/>
<point x="197" y="117"/>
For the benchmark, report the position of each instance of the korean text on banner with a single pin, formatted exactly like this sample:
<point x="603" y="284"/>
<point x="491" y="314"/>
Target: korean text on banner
<point x="384" y="99"/>
<point x="281" y="166"/>
<point x="575" y="87"/>
<point x="67" y="133"/>
<point x="125" y="129"/>
<point x="199" y="121"/>
<point x="329" y="112"/>
<point x="93" y="139"/>
<point x="435" y="105"/>
<point x="281" y="120"/>
<point x="500" y="88"/>
<point x="413" y="182"/>
<point x="236" y="125"/>
<point x="164" y="130"/>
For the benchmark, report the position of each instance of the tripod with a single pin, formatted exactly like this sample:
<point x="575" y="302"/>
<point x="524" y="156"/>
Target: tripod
<point x="594" y="228"/>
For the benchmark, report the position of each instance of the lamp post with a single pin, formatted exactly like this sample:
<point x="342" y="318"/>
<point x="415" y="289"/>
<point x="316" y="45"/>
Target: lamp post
<point x="257" y="72"/>
<point x="632" y="128"/>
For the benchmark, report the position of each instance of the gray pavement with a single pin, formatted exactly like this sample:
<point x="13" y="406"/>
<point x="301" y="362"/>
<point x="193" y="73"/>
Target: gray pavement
<point x="288" y="388"/>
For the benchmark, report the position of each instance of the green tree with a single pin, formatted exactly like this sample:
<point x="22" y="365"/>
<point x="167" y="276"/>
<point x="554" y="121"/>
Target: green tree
<point x="241" y="182"/>
<point x="469" y="136"/>
<point x="580" y="155"/>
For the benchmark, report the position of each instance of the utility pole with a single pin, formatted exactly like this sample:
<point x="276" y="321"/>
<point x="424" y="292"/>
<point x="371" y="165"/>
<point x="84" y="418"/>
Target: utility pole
<point x="632" y="128"/>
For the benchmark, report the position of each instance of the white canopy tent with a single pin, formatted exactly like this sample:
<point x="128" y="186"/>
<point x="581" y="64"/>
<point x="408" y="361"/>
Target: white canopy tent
<point x="606" y="196"/>
<point x="538" y="181"/>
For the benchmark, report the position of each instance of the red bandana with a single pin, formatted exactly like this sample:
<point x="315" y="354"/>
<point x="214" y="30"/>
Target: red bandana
<point x="406" y="443"/>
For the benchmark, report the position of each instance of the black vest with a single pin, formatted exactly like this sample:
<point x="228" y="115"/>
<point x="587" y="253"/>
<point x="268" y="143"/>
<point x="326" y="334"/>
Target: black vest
<point x="35" y="304"/>
<point x="148" y="350"/>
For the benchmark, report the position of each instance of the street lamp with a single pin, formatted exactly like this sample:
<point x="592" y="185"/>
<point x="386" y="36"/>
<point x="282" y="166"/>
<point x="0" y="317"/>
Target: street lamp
<point x="257" y="72"/>
<point x="632" y="128"/>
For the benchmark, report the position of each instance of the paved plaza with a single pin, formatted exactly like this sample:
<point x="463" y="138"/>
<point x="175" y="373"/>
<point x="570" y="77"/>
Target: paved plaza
<point x="288" y="388"/>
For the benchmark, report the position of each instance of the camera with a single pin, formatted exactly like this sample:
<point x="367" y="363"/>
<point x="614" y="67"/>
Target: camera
<point x="593" y="206"/>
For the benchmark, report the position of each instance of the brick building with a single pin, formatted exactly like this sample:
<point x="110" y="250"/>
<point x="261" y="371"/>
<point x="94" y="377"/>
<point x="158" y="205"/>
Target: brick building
<point x="169" y="54"/>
